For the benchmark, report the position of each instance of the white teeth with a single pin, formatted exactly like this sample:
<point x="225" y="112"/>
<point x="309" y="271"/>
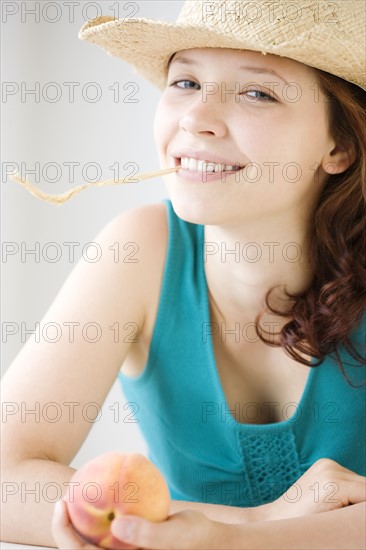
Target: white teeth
<point x="203" y="166"/>
<point x="189" y="163"/>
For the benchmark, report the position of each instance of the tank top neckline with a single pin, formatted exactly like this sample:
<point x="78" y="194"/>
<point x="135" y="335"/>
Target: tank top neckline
<point x="275" y="426"/>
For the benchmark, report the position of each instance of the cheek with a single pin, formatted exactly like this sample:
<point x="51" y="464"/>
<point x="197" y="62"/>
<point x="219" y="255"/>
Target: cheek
<point x="298" y="139"/>
<point x="157" y="128"/>
<point x="165" y="124"/>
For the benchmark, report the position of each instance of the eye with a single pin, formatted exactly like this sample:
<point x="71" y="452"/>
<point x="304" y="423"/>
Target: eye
<point x="258" y="95"/>
<point x="185" y="84"/>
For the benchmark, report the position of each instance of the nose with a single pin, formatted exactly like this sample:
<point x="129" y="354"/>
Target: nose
<point x="204" y="116"/>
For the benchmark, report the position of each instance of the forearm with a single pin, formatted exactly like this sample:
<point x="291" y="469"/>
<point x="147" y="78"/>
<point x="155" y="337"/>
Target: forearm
<point x="29" y="493"/>
<point x="216" y="512"/>
<point x="335" y="530"/>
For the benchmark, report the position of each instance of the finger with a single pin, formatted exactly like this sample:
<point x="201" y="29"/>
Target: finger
<point x="64" y="534"/>
<point x="344" y="487"/>
<point x="355" y="490"/>
<point x="182" y="530"/>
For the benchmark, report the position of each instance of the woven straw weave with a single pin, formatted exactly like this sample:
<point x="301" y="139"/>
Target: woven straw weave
<point x="326" y="35"/>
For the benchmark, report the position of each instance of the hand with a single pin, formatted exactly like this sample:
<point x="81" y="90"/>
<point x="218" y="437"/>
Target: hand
<point x="324" y="487"/>
<point x="65" y="535"/>
<point x="189" y="529"/>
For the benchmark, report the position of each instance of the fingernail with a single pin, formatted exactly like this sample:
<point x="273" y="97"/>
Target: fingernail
<point x="124" y="529"/>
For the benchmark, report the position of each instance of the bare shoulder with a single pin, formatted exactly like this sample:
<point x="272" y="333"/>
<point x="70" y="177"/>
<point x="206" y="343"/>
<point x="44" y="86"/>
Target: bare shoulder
<point x="146" y="224"/>
<point x="98" y="301"/>
<point x="142" y="234"/>
<point x="147" y="230"/>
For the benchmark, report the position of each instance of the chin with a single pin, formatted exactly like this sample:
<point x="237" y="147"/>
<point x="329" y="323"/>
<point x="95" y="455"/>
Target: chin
<point x="201" y="208"/>
<point x="197" y="211"/>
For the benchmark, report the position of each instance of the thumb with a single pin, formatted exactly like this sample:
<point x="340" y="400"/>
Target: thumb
<point x="140" y="532"/>
<point x="173" y="533"/>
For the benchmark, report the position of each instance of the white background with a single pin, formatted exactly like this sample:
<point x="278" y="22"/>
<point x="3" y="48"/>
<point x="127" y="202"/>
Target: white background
<point x="63" y="131"/>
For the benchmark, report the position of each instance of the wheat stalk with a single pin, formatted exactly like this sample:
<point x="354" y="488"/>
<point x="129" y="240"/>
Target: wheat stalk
<point x="64" y="197"/>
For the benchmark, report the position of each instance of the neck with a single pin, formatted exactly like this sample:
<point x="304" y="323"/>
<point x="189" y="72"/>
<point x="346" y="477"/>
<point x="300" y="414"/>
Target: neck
<point x="243" y="263"/>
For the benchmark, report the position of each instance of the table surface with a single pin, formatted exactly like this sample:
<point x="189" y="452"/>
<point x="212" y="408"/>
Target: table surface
<point x="9" y="546"/>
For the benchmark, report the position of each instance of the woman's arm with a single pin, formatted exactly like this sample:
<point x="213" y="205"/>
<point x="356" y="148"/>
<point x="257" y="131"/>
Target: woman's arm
<point x="337" y="486"/>
<point x="335" y="530"/>
<point x="62" y="379"/>
<point x="194" y="525"/>
<point x="29" y="491"/>
<point x="221" y="513"/>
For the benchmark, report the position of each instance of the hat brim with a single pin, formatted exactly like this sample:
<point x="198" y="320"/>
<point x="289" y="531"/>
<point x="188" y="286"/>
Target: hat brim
<point x="148" y="44"/>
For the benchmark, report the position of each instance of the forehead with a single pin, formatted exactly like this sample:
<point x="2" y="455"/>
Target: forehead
<point x="232" y="58"/>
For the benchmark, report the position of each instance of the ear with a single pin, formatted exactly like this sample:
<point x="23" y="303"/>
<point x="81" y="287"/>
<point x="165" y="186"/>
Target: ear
<point x="339" y="159"/>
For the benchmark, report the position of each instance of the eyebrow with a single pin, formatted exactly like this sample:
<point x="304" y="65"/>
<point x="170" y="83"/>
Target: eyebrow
<point x="262" y="70"/>
<point x="257" y="70"/>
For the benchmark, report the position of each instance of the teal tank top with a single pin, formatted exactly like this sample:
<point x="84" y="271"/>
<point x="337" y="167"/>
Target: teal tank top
<point x="193" y="437"/>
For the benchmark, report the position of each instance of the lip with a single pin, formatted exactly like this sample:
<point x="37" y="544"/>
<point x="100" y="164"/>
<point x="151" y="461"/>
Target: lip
<point x="206" y="177"/>
<point x="202" y="155"/>
<point x="203" y="177"/>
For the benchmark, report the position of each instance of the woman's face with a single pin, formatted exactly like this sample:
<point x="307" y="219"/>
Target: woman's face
<point x="262" y="113"/>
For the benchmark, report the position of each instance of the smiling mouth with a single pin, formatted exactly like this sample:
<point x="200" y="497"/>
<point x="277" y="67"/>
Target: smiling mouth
<point x="207" y="166"/>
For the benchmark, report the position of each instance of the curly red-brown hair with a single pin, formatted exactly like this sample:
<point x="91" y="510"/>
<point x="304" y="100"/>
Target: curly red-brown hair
<point x="323" y="317"/>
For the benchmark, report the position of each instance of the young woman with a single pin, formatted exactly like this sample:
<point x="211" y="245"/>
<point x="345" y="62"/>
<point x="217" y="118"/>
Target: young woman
<point x="250" y="296"/>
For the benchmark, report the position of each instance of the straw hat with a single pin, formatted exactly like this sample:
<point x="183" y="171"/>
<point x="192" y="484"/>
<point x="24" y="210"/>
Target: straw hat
<point x="325" y="35"/>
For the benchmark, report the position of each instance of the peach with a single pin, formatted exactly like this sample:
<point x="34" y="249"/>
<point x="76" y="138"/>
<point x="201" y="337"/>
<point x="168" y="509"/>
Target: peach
<point x="112" y="485"/>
